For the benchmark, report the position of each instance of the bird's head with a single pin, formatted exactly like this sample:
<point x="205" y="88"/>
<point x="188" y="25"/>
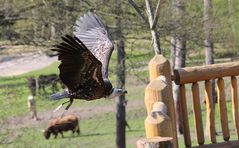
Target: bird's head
<point x="116" y="92"/>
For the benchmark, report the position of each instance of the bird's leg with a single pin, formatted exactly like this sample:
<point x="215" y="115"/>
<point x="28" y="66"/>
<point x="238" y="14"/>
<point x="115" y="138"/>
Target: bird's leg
<point x="61" y="106"/>
<point x="67" y="107"/>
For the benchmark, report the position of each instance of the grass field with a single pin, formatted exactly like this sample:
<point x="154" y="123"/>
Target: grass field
<point x="96" y="131"/>
<point x="97" y="126"/>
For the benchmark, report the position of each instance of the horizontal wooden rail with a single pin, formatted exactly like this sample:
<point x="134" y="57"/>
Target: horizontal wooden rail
<point x="207" y="72"/>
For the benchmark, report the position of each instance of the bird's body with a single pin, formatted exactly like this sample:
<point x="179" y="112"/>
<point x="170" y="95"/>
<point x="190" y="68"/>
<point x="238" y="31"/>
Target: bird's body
<point x="84" y="61"/>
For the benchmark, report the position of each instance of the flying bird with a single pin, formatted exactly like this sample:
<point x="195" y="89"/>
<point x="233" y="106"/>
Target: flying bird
<point x="84" y="61"/>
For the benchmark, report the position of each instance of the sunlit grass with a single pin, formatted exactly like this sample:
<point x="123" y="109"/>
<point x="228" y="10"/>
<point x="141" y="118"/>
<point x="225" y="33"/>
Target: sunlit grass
<point x="98" y="131"/>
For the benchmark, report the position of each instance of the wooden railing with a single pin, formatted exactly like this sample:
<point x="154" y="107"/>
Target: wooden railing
<point x="161" y="122"/>
<point x="207" y="73"/>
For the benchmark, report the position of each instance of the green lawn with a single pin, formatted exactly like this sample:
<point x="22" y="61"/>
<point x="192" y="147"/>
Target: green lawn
<point x="97" y="131"/>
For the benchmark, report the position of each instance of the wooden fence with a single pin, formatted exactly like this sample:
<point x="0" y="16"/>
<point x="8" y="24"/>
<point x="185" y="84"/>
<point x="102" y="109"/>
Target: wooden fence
<point x="161" y="122"/>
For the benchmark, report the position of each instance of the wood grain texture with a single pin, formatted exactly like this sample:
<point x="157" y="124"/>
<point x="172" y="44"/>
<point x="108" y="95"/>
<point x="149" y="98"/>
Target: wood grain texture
<point x="234" y="89"/>
<point x="223" y="108"/>
<point x="207" y="72"/>
<point x="186" y="132"/>
<point x="156" y="142"/>
<point x="197" y="114"/>
<point x="160" y="66"/>
<point x="210" y="111"/>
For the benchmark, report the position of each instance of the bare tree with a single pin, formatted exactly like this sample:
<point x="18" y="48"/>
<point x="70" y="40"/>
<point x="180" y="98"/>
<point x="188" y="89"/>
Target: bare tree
<point x="208" y="32"/>
<point x="208" y="43"/>
<point x="121" y="102"/>
<point x="8" y="11"/>
<point x="179" y="47"/>
<point x="172" y="53"/>
<point x="231" y="20"/>
<point x="152" y="20"/>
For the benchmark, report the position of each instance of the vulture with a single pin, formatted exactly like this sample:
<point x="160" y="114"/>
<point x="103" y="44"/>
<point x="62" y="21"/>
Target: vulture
<point x="84" y="60"/>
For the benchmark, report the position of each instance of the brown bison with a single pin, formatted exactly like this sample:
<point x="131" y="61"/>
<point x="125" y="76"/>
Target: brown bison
<point x="58" y="125"/>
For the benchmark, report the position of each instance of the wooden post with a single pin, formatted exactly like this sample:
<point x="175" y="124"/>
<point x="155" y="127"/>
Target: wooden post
<point x="159" y="65"/>
<point x="235" y="103"/>
<point x="154" y="92"/>
<point x="158" y="123"/>
<point x="197" y="114"/>
<point x="223" y="108"/>
<point x="210" y="112"/>
<point x="186" y="130"/>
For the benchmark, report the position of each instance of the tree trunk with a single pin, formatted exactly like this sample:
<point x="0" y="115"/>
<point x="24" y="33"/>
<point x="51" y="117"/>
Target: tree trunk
<point x="180" y="58"/>
<point x="155" y="35"/>
<point x="208" y="32"/>
<point x="172" y="53"/>
<point x="152" y="20"/>
<point x="34" y="24"/>
<point x="53" y="31"/>
<point x="7" y="8"/>
<point x="208" y="43"/>
<point x="232" y="24"/>
<point x="120" y="115"/>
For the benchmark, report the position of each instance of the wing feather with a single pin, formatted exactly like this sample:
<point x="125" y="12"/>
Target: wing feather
<point x="79" y="68"/>
<point x="93" y="33"/>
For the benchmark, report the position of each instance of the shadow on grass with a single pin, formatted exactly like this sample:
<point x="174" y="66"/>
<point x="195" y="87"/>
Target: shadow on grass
<point x="96" y="134"/>
<point x="99" y="134"/>
<point x="83" y="135"/>
<point x="134" y="130"/>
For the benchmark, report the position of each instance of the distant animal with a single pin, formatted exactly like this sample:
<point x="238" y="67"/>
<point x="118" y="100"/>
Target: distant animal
<point x="46" y="80"/>
<point x="84" y="62"/>
<point x="59" y="125"/>
<point x="42" y="81"/>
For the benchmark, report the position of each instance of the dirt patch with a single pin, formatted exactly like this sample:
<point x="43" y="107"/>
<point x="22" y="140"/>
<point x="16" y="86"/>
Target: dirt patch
<point x="82" y="112"/>
<point x="12" y="65"/>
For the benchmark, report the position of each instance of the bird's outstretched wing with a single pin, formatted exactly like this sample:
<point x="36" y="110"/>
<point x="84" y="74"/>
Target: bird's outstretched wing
<point x="93" y="33"/>
<point x="79" y="67"/>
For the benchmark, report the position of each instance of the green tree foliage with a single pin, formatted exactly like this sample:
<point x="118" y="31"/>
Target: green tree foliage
<point x="42" y="22"/>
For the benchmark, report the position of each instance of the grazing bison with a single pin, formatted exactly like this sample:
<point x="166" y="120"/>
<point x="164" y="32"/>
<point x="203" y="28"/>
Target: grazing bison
<point x="58" y="125"/>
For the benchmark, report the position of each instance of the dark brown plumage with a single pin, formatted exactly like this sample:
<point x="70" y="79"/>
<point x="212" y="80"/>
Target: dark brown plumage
<point x="80" y="71"/>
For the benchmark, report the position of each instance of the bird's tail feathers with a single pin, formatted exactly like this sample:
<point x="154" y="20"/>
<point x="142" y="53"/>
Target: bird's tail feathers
<point x="59" y="96"/>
